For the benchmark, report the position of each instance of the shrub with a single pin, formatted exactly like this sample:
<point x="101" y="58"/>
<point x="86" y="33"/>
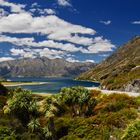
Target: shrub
<point x="116" y="119"/>
<point x="115" y="102"/>
<point x="95" y="93"/>
<point x="7" y="134"/>
<point x="132" y="131"/>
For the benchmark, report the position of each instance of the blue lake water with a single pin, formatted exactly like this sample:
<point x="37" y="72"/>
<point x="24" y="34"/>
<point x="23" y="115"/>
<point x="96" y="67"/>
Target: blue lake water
<point x="54" y="84"/>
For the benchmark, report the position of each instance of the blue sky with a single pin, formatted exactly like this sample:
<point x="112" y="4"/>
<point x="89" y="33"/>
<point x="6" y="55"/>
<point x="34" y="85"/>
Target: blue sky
<point x="76" y="30"/>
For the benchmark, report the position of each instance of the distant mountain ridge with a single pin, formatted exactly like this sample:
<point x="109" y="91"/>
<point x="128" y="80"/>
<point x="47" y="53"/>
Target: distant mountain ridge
<point x="121" y="70"/>
<point x="39" y="67"/>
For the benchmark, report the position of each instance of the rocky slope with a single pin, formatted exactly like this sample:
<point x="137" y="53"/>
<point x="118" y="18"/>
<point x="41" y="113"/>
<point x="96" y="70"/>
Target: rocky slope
<point x="120" y="70"/>
<point x="42" y="67"/>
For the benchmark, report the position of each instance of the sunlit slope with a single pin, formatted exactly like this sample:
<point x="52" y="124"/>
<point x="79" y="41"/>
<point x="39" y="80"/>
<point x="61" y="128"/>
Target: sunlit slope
<point x="118" y="69"/>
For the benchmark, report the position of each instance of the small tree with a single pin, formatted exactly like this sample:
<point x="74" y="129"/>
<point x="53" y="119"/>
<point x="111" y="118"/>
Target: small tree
<point x="51" y="110"/>
<point x="79" y="99"/>
<point x="22" y="106"/>
<point x="34" y="125"/>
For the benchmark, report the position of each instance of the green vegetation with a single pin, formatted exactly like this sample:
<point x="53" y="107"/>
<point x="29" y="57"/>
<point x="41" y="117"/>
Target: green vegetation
<point x="132" y="131"/>
<point x="74" y="114"/>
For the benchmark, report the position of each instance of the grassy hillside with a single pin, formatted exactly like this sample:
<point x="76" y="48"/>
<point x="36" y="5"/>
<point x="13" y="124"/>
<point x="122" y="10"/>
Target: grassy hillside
<point x="118" y="69"/>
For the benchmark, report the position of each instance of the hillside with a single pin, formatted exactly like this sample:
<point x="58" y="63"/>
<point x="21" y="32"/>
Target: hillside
<point x="42" y="67"/>
<point x="119" y="71"/>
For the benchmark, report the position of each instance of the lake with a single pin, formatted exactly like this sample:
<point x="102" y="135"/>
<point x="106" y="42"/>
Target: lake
<point x="54" y="84"/>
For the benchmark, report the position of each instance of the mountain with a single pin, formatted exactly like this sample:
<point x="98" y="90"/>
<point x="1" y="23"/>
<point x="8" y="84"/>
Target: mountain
<point x="119" y="71"/>
<point x="38" y="67"/>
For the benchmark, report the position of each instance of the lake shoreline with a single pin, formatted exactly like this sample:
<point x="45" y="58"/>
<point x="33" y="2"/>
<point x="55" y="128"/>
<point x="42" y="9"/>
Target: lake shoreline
<point x="24" y="84"/>
<point x="133" y="94"/>
<point x="107" y="92"/>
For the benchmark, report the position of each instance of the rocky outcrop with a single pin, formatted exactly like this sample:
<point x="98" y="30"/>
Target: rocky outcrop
<point x="133" y="86"/>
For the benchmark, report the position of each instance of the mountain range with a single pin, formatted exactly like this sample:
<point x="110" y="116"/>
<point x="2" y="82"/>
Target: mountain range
<point x="38" y="67"/>
<point x="121" y="70"/>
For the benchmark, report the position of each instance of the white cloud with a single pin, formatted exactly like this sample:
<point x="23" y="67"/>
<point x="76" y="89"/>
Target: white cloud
<point x="108" y="22"/>
<point x="64" y="3"/>
<point x="99" y="45"/>
<point x="43" y="11"/>
<point x="104" y="55"/>
<point x="32" y="53"/>
<point x="136" y="22"/>
<point x="47" y="25"/>
<point x="23" y="53"/>
<point x="61" y="36"/>
<point x="50" y="53"/>
<point x="2" y="59"/>
<point x="16" y="8"/>
<point x="16" y="41"/>
<point x="3" y="12"/>
<point x="47" y="43"/>
<point x="71" y="38"/>
<point x="70" y="59"/>
<point x="49" y="11"/>
<point x="35" y="4"/>
<point x="88" y="60"/>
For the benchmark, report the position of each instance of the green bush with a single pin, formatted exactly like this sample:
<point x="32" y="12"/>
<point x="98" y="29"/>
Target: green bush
<point x="115" y="102"/>
<point x="132" y="132"/>
<point x="7" y="134"/>
<point x="116" y="119"/>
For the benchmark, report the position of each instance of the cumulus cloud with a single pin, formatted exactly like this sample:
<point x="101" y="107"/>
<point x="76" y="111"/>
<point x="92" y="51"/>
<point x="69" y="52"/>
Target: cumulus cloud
<point x="35" y="4"/>
<point x="16" y="8"/>
<point x="64" y="3"/>
<point x="47" y="25"/>
<point x="32" y="53"/>
<point x="25" y="23"/>
<point x="2" y="59"/>
<point x="99" y="45"/>
<point x="31" y="42"/>
<point x="71" y="38"/>
<point x="136" y="22"/>
<point x="70" y="59"/>
<point x="49" y="11"/>
<point x="108" y="22"/>
<point x="45" y="11"/>
<point x="88" y="60"/>
<point x="50" y="53"/>
<point x="16" y="52"/>
<point x="61" y="37"/>
<point x="16" y="41"/>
